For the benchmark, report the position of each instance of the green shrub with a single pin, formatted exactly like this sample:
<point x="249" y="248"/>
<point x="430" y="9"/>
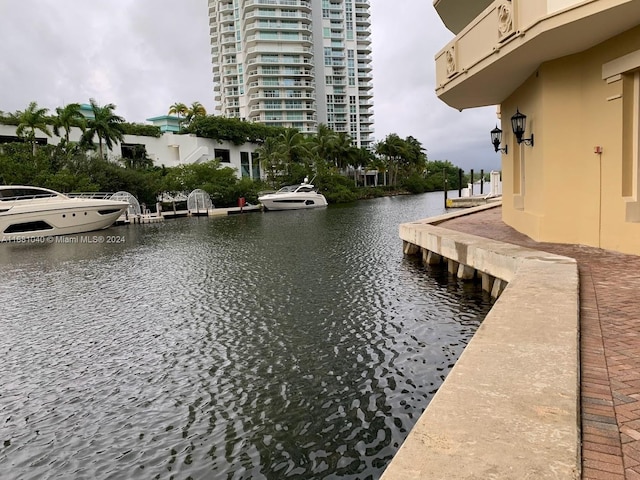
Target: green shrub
<point x="415" y="184"/>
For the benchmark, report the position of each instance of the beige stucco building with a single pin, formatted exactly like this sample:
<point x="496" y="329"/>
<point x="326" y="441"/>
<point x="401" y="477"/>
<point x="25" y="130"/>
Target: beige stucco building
<point x="573" y="68"/>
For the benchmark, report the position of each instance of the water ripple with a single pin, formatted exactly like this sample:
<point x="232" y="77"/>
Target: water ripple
<point x="263" y="346"/>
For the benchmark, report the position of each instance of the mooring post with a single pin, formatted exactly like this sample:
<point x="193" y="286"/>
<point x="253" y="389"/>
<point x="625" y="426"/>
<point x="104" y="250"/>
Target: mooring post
<point x="444" y="184"/>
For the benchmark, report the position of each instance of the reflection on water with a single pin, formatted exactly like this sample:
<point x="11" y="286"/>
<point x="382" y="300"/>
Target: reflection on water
<point x="276" y="345"/>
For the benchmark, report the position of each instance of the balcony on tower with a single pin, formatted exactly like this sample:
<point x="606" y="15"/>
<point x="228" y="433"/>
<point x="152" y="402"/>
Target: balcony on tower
<point x="500" y="43"/>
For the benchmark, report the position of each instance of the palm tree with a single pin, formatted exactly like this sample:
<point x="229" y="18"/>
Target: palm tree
<point x="179" y="109"/>
<point x="323" y="143"/>
<point x="344" y="153"/>
<point x="416" y="156"/>
<point x="106" y="125"/>
<point x="32" y="119"/>
<point x="67" y="117"/>
<point x="360" y="158"/>
<point x="292" y="147"/>
<point x="195" y="110"/>
<point x="394" y="149"/>
<point x="271" y="158"/>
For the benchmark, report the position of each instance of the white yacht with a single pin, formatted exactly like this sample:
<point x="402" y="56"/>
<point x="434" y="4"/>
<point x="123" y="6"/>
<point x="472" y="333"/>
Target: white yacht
<point x="293" y="197"/>
<point x="39" y="212"/>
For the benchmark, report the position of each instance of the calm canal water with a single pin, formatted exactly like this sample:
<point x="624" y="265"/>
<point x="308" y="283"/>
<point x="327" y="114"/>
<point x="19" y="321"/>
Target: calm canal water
<point x="261" y="346"/>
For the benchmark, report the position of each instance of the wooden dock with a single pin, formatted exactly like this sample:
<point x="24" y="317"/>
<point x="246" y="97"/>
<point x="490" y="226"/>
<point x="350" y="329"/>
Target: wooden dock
<point x="211" y="212"/>
<point x="143" y="218"/>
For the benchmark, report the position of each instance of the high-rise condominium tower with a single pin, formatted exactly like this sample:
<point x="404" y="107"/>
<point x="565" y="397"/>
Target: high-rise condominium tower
<point x="294" y="63"/>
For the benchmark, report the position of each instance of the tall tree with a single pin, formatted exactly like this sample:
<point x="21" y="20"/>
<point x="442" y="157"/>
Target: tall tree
<point x="32" y="119"/>
<point x="195" y="110"/>
<point x="362" y="158"/>
<point x="105" y="125"/>
<point x="67" y="117"/>
<point x="271" y="159"/>
<point x="344" y="153"/>
<point x="322" y="144"/>
<point x="393" y="148"/>
<point x="180" y="110"/>
<point x="416" y="161"/>
<point x="291" y="145"/>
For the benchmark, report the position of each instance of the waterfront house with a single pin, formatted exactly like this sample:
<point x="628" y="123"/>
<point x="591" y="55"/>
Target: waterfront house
<point x="169" y="149"/>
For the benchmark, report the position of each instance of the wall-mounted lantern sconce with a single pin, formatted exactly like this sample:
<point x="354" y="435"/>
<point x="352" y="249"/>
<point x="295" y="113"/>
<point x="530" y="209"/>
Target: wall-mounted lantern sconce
<point x="519" y="125"/>
<point x="496" y="138"/>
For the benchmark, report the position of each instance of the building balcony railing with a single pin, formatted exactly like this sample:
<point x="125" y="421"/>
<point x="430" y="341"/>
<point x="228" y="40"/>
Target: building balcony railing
<point x="281" y="60"/>
<point x="280" y="83"/>
<point x="279" y="38"/>
<point x="277" y="26"/>
<point x="504" y="45"/>
<point x="275" y="48"/>
<point x="289" y="15"/>
<point x="284" y="3"/>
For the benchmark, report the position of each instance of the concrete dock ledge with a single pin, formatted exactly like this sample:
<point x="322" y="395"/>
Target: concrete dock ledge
<point x="509" y="408"/>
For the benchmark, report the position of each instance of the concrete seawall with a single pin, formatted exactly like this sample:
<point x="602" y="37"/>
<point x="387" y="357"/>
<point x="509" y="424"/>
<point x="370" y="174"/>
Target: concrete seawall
<point x="509" y="408"/>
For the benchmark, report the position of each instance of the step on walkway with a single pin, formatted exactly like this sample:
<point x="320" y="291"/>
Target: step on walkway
<point x="609" y="346"/>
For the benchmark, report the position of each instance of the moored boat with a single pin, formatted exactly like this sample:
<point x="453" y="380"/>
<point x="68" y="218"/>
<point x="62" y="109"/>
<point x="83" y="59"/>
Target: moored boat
<point x="27" y="211"/>
<point x="294" y="197"/>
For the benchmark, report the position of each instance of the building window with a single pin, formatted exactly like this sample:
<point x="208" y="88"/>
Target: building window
<point x="223" y="155"/>
<point x="245" y="168"/>
<point x="255" y="165"/>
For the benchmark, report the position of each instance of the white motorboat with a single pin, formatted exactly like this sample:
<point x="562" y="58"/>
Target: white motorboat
<point x="293" y="197"/>
<point x="27" y="212"/>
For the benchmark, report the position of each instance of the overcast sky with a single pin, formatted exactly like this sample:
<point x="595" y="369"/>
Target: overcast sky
<point x="145" y="55"/>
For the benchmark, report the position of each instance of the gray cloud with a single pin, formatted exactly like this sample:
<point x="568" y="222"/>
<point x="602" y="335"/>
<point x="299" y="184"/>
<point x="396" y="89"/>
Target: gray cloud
<point x="145" y="55"/>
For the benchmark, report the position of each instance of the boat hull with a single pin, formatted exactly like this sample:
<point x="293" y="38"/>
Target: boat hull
<point x="52" y="217"/>
<point x="284" y="201"/>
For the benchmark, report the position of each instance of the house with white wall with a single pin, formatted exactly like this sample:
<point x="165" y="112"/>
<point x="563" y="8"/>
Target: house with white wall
<point x="170" y="149"/>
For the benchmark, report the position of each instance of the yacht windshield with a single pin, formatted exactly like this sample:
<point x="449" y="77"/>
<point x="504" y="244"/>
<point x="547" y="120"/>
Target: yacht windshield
<point x="7" y="194"/>
<point x="288" y="188"/>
